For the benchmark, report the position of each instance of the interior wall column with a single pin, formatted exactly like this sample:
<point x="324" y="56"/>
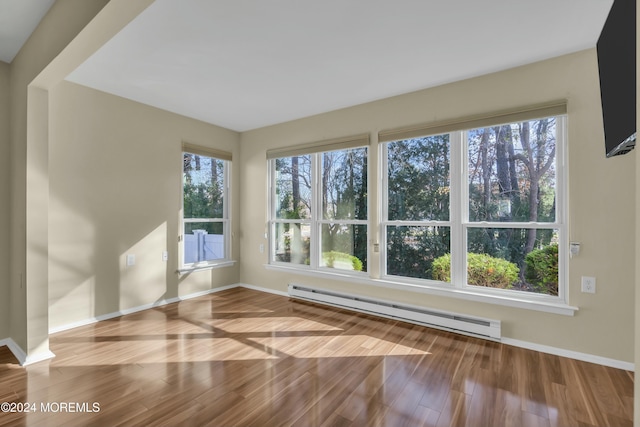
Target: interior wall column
<point x="36" y="277"/>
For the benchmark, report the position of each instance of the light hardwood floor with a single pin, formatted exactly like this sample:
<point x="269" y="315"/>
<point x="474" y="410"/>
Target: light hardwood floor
<point x="247" y="358"/>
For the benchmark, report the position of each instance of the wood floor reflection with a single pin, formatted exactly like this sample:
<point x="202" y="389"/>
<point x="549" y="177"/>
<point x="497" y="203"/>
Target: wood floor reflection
<point x="247" y="358"/>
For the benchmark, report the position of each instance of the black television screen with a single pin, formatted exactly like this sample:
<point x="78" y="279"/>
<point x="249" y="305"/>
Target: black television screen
<point x="617" y="69"/>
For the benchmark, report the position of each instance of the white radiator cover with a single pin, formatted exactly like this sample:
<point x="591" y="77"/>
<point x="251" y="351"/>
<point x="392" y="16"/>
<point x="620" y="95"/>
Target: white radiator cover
<point x="454" y="322"/>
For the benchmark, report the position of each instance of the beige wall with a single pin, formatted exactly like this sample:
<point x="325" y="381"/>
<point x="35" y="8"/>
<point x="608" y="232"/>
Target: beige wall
<point x="89" y="235"/>
<point x="601" y="211"/>
<point x="63" y="22"/>
<point x="115" y="189"/>
<point x="4" y="200"/>
<point x="636" y="406"/>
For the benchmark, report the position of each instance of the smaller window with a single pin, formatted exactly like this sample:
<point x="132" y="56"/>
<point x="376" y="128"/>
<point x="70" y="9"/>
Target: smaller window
<point x="205" y="207"/>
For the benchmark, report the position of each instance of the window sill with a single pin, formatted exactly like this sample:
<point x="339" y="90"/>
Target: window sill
<point x="203" y="267"/>
<point x="508" y="300"/>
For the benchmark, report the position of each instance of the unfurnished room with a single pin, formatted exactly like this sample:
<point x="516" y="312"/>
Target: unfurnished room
<point x="327" y="213"/>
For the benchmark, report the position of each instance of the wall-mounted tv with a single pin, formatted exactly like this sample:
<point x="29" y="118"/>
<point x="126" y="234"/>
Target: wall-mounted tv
<point x="617" y="68"/>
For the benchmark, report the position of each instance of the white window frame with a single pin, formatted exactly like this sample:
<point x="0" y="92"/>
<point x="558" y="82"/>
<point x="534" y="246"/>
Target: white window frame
<point x="459" y="220"/>
<point x="316" y="221"/>
<point x="226" y="212"/>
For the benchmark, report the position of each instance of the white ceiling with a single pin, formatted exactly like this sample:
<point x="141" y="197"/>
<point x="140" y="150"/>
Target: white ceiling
<point x="245" y="64"/>
<point x="18" y="19"/>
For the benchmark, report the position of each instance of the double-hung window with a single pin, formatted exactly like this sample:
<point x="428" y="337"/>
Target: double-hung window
<point x="318" y="212"/>
<point x="478" y="205"/>
<point x="205" y="237"/>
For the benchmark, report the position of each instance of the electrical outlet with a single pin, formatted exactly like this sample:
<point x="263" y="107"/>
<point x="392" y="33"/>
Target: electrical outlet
<point x="589" y="284"/>
<point x="261" y="248"/>
<point x="131" y="260"/>
<point x="165" y="256"/>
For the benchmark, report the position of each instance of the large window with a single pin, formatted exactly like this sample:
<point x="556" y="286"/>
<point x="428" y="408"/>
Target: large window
<point x="205" y="234"/>
<point x="319" y="206"/>
<point x="477" y="208"/>
<point x="474" y="207"/>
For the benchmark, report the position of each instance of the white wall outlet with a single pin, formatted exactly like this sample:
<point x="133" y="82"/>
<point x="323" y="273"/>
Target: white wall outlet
<point x="165" y="256"/>
<point x="261" y="248"/>
<point x="131" y="260"/>
<point x="589" y="284"/>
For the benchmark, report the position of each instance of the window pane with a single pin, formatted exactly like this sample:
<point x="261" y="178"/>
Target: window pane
<point x="418" y="179"/>
<point x="411" y="251"/>
<point x="512" y="172"/>
<point x="203" y="186"/>
<point x="513" y="258"/>
<point x="293" y="187"/>
<point x="344" y="184"/>
<point x="344" y="246"/>
<point x="292" y="243"/>
<point x="203" y="241"/>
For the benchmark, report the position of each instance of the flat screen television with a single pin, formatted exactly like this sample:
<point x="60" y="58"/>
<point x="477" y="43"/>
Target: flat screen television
<point x="616" y="49"/>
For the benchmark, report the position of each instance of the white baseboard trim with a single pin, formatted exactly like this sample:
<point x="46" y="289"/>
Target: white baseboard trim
<point x="261" y="289"/>
<point x="584" y="357"/>
<point x="38" y="357"/>
<point x="158" y="303"/>
<point x="22" y="357"/>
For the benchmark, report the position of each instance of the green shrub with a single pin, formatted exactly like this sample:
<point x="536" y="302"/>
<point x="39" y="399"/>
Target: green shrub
<point x="541" y="269"/>
<point x="329" y="259"/>
<point x="441" y="268"/>
<point x="482" y="270"/>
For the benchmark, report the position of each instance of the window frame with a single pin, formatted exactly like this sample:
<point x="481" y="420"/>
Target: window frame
<point x="316" y="222"/>
<point x="227" y="260"/>
<point x="459" y="222"/>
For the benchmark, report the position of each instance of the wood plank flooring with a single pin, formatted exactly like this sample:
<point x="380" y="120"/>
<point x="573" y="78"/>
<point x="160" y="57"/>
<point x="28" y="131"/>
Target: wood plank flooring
<point x="247" y="358"/>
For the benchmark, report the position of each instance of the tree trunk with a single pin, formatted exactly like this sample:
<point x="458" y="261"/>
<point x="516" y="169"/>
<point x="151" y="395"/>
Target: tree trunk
<point x="295" y="185"/>
<point x="186" y="166"/>
<point x="533" y="184"/>
<point x="486" y="173"/>
<point x="326" y="170"/>
<point x="502" y="162"/>
<point x="513" y="174"/>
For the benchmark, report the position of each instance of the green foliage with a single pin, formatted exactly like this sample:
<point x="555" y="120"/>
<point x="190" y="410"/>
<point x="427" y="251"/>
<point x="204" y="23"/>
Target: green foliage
<point x="482" y="270"/>
<point x="343" y="196"/>
<point x="441" y="268"/>
<point x="412" y="250"/>
<point x="330" y="258"/>
<point x="541" y="269"/>
<point x="419" y="178"/>
<point x="203" y="185"/>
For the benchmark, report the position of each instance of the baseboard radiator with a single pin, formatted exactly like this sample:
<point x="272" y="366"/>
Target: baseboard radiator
<point x="467" y="325"/>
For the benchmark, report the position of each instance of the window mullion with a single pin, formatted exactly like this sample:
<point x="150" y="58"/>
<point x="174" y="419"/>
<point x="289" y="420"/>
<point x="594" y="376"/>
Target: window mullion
<point x="316" y="210"/>
<point x="271" y="188"/>
<point x="561" y="208"/>
<point x="227" y="210"/>
<point x="458" y="208"/>
<point x="383" y="213"/>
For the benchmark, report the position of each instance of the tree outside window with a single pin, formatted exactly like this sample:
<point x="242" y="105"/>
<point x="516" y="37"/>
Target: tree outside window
<point x="320" y="212"/>
<point x="507" y="216"/>
<point x="205" y="216"/>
